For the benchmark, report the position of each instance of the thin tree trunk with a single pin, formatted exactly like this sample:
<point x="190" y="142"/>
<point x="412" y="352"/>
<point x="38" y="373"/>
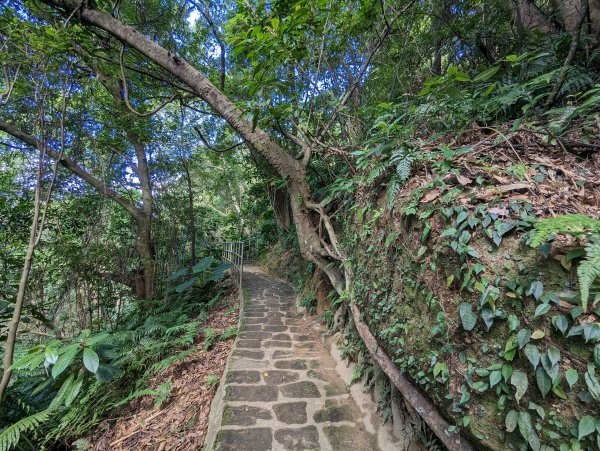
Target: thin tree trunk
<point x="145" y="250"/>
<point x="192" y="218"/>
<point x="34" y="232"/>
<point x="143" y="239"/>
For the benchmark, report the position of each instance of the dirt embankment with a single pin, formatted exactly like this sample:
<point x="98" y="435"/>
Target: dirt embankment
<point x="488" y="327"/>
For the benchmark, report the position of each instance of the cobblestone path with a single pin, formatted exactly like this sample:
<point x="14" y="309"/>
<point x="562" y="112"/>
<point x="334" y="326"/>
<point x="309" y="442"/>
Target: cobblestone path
<point x="281" y="389"/>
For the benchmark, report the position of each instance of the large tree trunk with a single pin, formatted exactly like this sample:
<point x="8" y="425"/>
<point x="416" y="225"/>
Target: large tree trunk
<point x="567" y="13"/>
<point x="527" y="16"/>
<point x="143" y="246"/>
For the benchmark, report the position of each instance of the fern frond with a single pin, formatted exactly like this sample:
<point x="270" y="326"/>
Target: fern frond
<point x="391" y="193"/>
<point x="571" y="224"/>
<point x="138" y="394"/>
<point x="589" y="269"/>
<point x="11" y="435"/>
<point x="403" y="159"/>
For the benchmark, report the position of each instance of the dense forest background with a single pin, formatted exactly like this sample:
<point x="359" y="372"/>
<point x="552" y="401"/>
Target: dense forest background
<point x="426" y="174"/>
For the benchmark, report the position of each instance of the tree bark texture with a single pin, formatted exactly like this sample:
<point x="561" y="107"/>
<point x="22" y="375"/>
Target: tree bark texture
<point x="527" y="16"/>
<point x="192" y="216"/>
<point x="568" y="12"/>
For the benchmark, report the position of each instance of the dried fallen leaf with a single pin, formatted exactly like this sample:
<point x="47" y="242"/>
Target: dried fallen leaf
<point x="499" y="211"/>
<point x="431" y="195"/>
<point x="464" y="181"/>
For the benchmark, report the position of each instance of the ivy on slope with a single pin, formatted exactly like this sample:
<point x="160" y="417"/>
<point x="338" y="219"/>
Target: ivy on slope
<point x="497" y="333"/>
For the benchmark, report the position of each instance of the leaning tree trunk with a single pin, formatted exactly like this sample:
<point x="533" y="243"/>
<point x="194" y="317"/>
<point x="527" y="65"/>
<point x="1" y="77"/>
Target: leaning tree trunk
<point x="288" y="167"/>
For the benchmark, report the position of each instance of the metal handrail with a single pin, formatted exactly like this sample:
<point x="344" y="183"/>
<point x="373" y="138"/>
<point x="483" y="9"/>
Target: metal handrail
<point x="233" y="253"/>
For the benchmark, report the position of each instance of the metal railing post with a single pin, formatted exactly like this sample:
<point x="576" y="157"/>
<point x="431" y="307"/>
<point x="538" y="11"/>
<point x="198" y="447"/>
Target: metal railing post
<point x="233" y="252"/>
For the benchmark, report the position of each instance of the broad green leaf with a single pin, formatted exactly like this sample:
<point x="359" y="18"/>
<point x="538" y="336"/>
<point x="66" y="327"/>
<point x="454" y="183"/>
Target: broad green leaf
<point x="486" y="74"/>
<point x="63" y="362"/>
<point x="533" y="355"/>
<point x="219" y="271"/>
<point x="591" y="331"/>
<point x="542" y="309"/>
<point x="539" y="409"/>
<point x="558" y="391"/>
<point x="62" y="393"/>
<point x="536" y="289"/>
<point x="30" y="361"/>
<point x="74" y="389"/>
<point x="537" y="334"/>
<point x="495" y="377"/>
<point x="506" y="372"/>
<point x="592" y="382"/>
<point x="561" y="323"/>
<point x="526" y="430"/>
<point x="91" y="360"/>
<point x="523" y="337"/>
<point x="572" y="377"/>
<point x="438" y="368"/>
<point x="488" y="317"/>
<point x="185" y="285"/>
<point x="513" y="323"/>
<point x="587" y="425"/>
<point x="553" y="371"/>
<point x="511" y="420"/>
<point x="519" y="381"/>
<point x="202" y="265"/>
<point x="510" y="347"/>
<point x="177" y="274"/>
<point x="544" y="382"/>
<point x="553" y="355"/>
<point x="51" y="356"/>
<point x="467" y="317"/>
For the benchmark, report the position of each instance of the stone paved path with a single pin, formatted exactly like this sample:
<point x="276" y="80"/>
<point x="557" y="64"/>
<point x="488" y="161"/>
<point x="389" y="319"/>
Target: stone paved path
<point x="281" y="390"/>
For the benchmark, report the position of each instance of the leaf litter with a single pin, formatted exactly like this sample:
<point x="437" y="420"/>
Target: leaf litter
<point x="180" y="423"/>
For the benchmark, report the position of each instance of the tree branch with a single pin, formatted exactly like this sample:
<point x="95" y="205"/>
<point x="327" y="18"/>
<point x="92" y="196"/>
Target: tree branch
<point x="214" y="149"/>
<point x="126" y="92"/>
<point x="70" y="165"/>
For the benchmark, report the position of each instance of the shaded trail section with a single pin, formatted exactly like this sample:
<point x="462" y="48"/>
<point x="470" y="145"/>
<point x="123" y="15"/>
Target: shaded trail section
<point x="281" y="390"/>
